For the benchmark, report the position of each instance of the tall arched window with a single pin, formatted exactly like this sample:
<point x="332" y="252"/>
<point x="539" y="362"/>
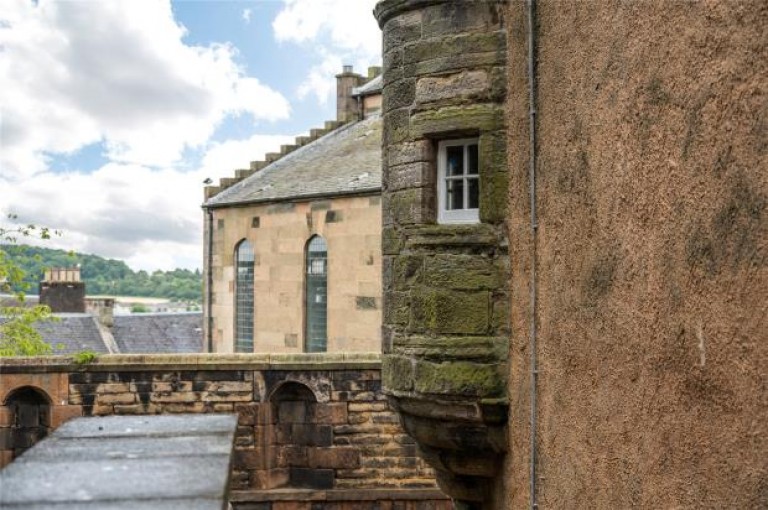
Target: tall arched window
<point x="244" y="261"/>
<point x="317" y="295"/>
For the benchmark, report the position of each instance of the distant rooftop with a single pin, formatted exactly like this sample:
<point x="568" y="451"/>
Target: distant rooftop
<point x="344" y="161"/>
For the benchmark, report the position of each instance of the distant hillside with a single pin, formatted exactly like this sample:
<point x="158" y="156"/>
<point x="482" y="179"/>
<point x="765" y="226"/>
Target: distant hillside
<point x="107" y="276"/>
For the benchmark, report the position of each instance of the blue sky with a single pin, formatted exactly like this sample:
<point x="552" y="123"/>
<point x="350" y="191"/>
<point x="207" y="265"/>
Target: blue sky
<point x="113" y="113"/>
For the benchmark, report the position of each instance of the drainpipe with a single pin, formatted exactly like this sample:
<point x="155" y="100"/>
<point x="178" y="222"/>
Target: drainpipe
<point x="534" y="239"/>
<point x="209" y="272"/>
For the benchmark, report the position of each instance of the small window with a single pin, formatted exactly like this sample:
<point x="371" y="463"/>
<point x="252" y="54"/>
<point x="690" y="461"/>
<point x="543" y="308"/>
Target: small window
<point x="458" y="185"/>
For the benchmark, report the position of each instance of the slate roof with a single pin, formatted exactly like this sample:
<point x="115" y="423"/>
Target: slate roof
<point x="71" y="333"/>
<point x="345" y="161"/>
<point x="372" y="87"/>
<point x="146" y="333"/>
<point x="156" y="333"/>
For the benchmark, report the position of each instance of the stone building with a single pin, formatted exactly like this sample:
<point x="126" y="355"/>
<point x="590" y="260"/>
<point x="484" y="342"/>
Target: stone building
<point x="293" y="251"/>
<point x="576" y="249"/>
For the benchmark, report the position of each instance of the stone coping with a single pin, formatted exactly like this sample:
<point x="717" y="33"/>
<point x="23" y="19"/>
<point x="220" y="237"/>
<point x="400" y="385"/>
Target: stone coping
<point x="366" y="494"/>
<point x="203" y="361"/>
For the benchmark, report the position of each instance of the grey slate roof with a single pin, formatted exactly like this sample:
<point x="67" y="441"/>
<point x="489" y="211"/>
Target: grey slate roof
<point x="71" y="333"/>
<point x="372" y="87"/>
<point x="156" y="333"/>
<point x="345" y="161"/>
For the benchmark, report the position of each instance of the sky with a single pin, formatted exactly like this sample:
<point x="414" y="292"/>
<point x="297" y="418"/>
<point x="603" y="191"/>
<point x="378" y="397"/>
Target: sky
<point x="114" y="112"/>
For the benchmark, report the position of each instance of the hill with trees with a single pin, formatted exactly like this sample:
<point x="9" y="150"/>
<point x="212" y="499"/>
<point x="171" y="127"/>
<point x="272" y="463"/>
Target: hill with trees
<point x="107" y="276"/>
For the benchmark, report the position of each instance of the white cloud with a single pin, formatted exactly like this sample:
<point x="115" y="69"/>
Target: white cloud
<point x="338" y="31"/>
<point x="77" y="73"/>
<point x="247" y="15"/>
<point x="150" y="218"/>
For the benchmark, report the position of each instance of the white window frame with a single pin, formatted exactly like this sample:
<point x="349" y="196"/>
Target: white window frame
<point x="448" y="216"/>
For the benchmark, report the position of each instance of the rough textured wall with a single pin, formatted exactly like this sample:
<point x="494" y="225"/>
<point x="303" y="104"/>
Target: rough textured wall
<point x="279" y="234"/>
<point x="653" y="238"/>
<point x="317" y="421"/>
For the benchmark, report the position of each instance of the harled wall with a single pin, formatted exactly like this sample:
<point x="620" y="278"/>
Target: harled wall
<point x="652" y="256"/>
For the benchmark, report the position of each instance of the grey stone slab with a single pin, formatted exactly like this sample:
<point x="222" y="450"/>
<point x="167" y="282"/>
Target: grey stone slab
<point x="125" y="462"/>
<point x="163" y="425"/>
<point x="93" y="448"/>
<point x="125" y="479"/>
<point x="150" y="504"/>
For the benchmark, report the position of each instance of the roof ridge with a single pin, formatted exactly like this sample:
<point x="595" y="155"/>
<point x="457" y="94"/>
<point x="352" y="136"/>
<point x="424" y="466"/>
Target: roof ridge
<point x="271" y="157"/>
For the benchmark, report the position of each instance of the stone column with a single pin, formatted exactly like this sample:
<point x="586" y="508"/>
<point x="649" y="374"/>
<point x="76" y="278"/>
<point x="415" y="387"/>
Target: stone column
<point x="446" y="324"/>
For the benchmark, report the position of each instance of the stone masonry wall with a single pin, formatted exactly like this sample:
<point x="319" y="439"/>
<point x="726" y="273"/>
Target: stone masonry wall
<point x="279" y="234"/>
<point x="305" y="422"/>
<point x="446" y="294"/>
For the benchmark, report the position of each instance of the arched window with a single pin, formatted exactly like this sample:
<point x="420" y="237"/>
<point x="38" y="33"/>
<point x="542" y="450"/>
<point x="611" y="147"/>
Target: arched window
<point x="317" y="295"/>
<point x="244" y="261"/>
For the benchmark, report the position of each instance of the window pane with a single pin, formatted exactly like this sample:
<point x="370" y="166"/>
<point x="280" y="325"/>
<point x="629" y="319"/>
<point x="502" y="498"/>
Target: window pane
<point x="454" y="160"/>
<point x="473" y="193"/>
<point x="472" y="157"/>
<point x="316" y="333"/>
<point x="244" y="298"/>
<point x="454" y="189"/>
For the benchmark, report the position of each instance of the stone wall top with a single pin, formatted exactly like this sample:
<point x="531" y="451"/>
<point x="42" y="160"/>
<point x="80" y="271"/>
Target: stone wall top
<point x="139" y="362"/>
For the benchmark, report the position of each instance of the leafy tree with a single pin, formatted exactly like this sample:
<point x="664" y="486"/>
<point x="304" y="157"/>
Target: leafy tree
<point x="18" y="337"/>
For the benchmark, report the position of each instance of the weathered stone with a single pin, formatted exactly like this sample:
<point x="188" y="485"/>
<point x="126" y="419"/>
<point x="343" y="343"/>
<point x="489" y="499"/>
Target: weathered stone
<point x="408" y="271"/>
<point x="116" y="398"/>
<point x="464" y="85"/>
<point x="391" y="241"/>
<point x="410" y="152"/>
<point x="409" y="206"/>
<point x="452" y="63"/>
<point x="469" y="118"/>
<point x="396" y="126"/>
<point x="397" y="373"/>
<point x="454" y="312"/>
<point x="402" y="29"/>
<point x="399" y="94"/>
<point x="410" y="175"/>
<point x="458" y="378"/>
<point x="436" y="236"/>
<point x="468" y="272"/>
<point x="397" y="308"/>
<point x="336" y="457"/>
<point x="494" y="177"/>
<point x="461" y="44"/>
<point x="365" y="303"/>
<point x="454" y="348"/>
<point x="453" y="17"/>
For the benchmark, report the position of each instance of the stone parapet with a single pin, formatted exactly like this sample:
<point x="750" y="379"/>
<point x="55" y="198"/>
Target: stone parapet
<point x="446" y="292"/>
<point x="307" y="422"/>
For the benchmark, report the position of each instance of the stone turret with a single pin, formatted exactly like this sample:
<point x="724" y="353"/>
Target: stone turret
<point x="446" y="267"/>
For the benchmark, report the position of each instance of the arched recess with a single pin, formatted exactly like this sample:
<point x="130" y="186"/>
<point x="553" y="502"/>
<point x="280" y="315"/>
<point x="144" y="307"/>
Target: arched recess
<point x="316" y="309"/>
<point x="297" y="437"/>
<point x="30" y="412"/>
<point x="244" y="297"/>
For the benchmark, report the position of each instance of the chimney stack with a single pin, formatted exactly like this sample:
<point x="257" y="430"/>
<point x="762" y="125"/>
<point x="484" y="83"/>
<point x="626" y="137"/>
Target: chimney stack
<point x="62" y="290"/>
<point x="347" y="107"/>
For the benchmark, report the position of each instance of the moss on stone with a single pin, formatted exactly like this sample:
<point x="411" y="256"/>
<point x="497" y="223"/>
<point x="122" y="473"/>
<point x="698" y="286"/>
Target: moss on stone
<point x="445" y="311"/>
<point x="397" y="373"/>
<point x="463" y="272"/>
<point x="466" y="118"/>
<point x="459" y="378"/>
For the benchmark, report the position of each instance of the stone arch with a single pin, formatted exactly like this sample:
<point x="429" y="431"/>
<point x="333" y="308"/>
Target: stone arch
<point x="29" y="410"/>
<point x="296" y="435"/>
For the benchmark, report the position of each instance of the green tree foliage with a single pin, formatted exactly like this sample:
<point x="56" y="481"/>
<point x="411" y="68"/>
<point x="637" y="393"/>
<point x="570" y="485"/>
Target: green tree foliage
<point x="18" y="336"/>
<point x="108" y="276"/>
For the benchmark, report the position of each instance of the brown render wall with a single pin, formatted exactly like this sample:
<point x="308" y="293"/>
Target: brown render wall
<point x="653" y="238"/>
<point x="349" y="442"/>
